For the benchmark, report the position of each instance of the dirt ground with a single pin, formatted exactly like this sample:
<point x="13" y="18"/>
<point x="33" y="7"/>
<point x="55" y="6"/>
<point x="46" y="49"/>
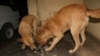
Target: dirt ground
<point x="90" y="48"/>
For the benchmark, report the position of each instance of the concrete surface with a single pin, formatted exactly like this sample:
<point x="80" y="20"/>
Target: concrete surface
<point x="90" y="48"/>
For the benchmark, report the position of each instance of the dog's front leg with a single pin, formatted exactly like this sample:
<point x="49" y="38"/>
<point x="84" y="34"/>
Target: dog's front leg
<point x="55" y="41"/>
<point x="23" y="46"/>
<point x="21" y="40"/>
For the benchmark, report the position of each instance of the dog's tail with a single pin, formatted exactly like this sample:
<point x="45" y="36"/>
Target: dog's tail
<point x="94" y="13"/>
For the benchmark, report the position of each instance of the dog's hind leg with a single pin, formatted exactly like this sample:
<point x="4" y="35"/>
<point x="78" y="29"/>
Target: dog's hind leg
<point x="75" y="34"/>
<point x="83" y="37"/>
<point x="82" y="33"/>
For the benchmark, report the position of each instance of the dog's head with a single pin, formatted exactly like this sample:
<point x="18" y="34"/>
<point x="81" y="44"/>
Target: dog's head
<point x="27" y="42"/>
<point x="42" y="36"/>
<point x="30" y="43"/>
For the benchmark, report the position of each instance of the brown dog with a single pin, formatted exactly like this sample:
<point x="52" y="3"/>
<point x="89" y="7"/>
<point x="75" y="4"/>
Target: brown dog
<point x="27" y="28"/>
<point x="74" y="17"/>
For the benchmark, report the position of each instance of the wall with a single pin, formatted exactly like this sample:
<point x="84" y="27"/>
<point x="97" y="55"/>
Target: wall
<point x="32" y="7"/>
<point x="93" y="28"/>
<point x="47" y="8"/>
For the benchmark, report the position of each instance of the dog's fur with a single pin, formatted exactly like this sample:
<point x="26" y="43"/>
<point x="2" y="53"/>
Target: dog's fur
<point x="27" y="28"/>
<point x="74" y="17"/>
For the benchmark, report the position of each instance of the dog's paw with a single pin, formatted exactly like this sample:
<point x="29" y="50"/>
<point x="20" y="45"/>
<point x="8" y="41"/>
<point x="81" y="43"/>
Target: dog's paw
<point x="71" y="51"/>
<point x="32" y="48"/>
<point x="23" y="47"/>
<point x="47" y="49"/>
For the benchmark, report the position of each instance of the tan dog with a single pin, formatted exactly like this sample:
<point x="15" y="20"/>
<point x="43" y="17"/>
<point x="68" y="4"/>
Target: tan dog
<point x="27" y="28"/>
<point x="74" y="17"/>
